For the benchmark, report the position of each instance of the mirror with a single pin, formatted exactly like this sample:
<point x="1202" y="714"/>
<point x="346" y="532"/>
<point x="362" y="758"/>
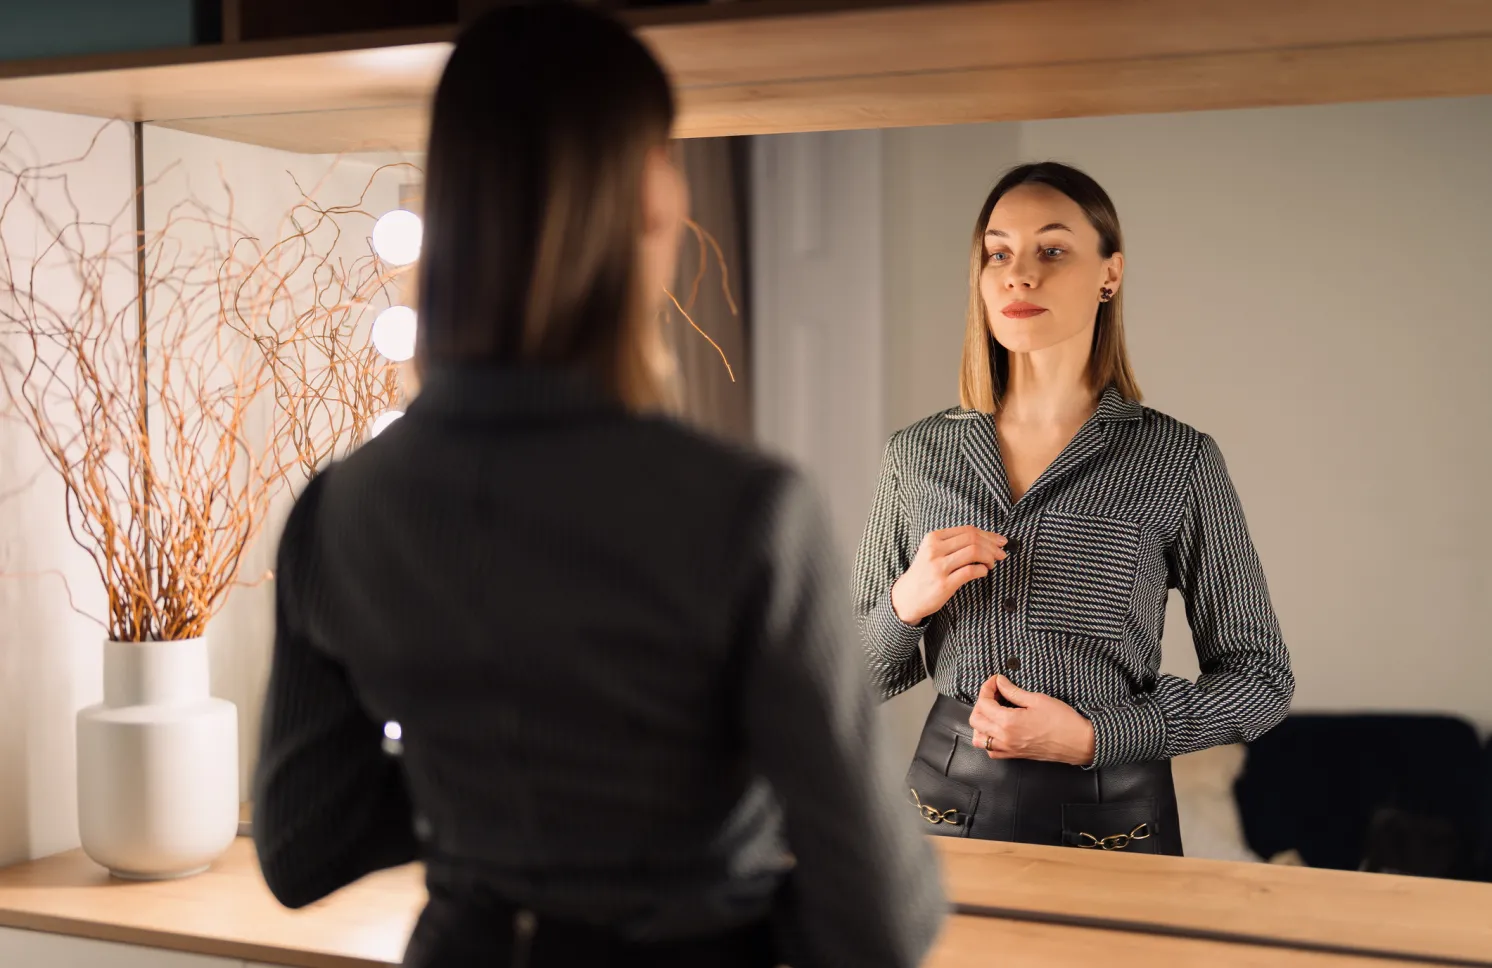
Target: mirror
<point x="1304" y="284"/>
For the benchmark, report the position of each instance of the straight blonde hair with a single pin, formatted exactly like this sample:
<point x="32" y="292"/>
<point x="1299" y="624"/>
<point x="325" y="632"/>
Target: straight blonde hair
<point x="984" y="371"/>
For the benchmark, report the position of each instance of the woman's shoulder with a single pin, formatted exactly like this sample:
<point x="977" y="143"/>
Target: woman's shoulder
<point x="1157" y="430"/>
<point x="937" y="430"/>
<point x="738" y="474"/>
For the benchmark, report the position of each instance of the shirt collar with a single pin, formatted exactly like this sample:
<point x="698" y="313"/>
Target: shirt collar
<point x="1113" y="406"/>
<point x="479" y="391"/>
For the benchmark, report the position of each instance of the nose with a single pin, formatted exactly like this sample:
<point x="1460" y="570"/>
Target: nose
<point x="1023" y="273"/>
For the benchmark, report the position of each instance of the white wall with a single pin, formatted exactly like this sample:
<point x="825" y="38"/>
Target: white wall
<point x="51" y="659"/>
<point x="1307" y="285"/>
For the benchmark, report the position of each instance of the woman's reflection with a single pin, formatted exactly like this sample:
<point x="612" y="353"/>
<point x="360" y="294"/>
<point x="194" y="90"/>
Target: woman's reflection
<point x="1029" y="538"/>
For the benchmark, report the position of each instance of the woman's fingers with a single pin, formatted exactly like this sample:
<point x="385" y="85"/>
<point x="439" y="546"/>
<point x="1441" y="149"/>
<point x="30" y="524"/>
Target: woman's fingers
<point x="968" y="546"/>
<point x="989" y="717"/>
<point x="962" y="576"/>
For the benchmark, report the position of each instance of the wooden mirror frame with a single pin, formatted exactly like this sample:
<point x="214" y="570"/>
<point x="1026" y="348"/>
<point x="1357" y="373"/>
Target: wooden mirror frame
<point x="762" y="66"/>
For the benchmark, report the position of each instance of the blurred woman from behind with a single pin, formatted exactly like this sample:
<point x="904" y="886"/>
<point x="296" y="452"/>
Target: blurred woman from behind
<point x="633" y="723"/>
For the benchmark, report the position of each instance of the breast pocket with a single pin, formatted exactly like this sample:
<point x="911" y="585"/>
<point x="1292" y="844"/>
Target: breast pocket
<point x="1083" y="575"/>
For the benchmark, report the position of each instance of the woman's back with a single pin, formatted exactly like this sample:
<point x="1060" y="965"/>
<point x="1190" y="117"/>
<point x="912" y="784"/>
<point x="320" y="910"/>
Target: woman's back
<point x="602" y="638"/>
<point x="620" y="657"/>
<point x="548" y="595"/>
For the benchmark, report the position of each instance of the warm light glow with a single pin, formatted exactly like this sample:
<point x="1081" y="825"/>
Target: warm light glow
<point x="384" y="419"/>
<point x="393" y="730"/>
<point x="397" y="235"/>
<point x="393" y="333"/>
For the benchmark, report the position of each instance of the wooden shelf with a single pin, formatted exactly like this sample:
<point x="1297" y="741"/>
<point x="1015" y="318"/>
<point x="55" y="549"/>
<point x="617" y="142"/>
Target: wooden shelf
<point x="754" y="68"/>
<point x="973" y="942"/>
<point x="1382" y="913"/>
<point x="229" y="913"/>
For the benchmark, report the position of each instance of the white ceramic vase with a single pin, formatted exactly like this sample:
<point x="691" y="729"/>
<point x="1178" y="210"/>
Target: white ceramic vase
<point x="157" y="764"/>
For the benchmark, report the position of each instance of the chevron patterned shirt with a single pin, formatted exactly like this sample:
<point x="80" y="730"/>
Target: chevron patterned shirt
<point x="1138" y="503"/>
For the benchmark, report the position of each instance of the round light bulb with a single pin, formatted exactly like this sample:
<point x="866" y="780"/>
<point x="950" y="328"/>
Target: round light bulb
<point x="393" y="333"/>
<point x="384" y="420"/>
<point x="397" y="235"/>
<point x="393" y="730"/>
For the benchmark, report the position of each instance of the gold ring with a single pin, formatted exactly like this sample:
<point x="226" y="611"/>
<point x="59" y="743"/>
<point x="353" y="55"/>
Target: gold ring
<point x="989" y="744"/>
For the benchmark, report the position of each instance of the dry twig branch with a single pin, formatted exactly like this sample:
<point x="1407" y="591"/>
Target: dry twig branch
<point x="166" y="511"/>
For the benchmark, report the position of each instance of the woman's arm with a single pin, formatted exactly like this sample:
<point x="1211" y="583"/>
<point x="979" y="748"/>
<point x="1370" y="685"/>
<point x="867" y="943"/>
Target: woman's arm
<point x="329" y="804"/>
<point x="886" y="550"/>
<point x="865" y="891"/>
<point x="1246" y="683"/>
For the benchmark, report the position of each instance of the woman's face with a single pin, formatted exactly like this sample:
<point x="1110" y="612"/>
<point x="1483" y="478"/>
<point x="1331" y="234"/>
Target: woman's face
<point x="1043" y="271"/>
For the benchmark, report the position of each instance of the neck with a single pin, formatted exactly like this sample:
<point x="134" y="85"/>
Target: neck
<point x="1048" y="388"/>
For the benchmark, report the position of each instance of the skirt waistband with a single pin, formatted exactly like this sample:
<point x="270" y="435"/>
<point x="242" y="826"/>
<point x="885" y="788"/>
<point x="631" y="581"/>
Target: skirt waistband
<point x="968" y="794"/>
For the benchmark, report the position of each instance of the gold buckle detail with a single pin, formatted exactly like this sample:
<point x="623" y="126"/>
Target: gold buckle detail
<point x="1114" y="841"/>
<point x="934" y="815"/>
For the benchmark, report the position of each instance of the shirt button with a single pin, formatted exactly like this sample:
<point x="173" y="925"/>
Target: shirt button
<point x="1008" y="606"/>
<point x="1013" y="663"/>
<point x="1012" y="546"/>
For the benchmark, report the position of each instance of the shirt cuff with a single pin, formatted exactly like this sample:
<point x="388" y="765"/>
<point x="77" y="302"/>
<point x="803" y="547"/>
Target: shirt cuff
<point x="888" y="637"/>
<point x="1130" y="732"/>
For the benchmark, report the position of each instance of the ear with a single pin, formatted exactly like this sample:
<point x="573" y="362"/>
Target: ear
<point x="1113" y="271"/>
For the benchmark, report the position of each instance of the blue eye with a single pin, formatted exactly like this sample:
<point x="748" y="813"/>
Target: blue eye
<point x="998" y="256"/>
<point x="1052" y="252"/>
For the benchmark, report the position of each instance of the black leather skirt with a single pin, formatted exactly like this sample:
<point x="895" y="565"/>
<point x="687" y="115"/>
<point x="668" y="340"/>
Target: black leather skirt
<point x="956" y="790"/>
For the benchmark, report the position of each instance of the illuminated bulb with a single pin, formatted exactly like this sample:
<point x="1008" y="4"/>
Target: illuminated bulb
<point x="384" y="419"/>
<point x="396" y="237"/>
<point x="393" y="734"/>
<point x="393" y="333"/>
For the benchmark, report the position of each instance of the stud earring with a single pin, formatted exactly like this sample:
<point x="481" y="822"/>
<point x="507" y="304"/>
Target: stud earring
<point x="1105" y="294"/>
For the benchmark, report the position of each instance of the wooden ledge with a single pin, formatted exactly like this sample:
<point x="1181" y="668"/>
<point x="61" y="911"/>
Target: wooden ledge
<point x="757" y="68"/>
<point x="1373" y="914"/>
<point x="1149" y="901"/>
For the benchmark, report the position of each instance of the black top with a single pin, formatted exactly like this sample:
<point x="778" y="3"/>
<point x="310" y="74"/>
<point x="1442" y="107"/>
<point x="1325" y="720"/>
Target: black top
<point x="1136" y="504"/>
<point x="623" y="666"/>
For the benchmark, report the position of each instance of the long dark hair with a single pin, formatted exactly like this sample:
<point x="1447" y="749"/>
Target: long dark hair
<point x="985" y="370"/>
<point x="541" y="126"/>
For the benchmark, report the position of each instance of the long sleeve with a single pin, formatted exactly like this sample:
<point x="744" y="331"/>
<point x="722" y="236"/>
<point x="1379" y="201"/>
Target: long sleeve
<point x="1245" y="684"/>
<point x="330" y="806"/>
<point x="886" y="550"/>
<point x="865" y="891"/>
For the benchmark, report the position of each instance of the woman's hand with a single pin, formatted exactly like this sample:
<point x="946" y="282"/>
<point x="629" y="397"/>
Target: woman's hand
<point x="946" y="561"/>
<point x="1038" y="727"/>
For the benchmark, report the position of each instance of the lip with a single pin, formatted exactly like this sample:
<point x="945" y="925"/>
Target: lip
<point x="1022" y="310"/>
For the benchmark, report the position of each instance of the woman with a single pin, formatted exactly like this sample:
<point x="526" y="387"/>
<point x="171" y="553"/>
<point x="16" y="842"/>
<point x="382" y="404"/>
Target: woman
<point x="625" y="683"/>
<point x="1029" y="537"/>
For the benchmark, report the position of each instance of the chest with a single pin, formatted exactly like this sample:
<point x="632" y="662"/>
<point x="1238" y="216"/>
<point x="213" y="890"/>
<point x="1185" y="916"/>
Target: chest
<point x="1027" y="453"/>
<point x="1116" y="483"/>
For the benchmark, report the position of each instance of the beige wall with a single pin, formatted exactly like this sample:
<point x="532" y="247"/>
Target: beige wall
<point x="1308" y="285"/>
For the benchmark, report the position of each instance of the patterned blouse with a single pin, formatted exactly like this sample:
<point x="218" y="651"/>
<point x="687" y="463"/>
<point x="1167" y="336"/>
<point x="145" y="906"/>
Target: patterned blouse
<point x="1138" y="503"/>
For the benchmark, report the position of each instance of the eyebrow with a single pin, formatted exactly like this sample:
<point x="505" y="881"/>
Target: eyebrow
<point x="1049" y="227"/>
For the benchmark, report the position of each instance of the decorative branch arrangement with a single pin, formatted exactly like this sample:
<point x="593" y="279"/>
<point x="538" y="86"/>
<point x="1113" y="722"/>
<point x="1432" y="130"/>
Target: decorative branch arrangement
<point x="181" y="377"/>
<point x="707" y="245"/>
<point x="328" y="380"/>
<point x="142" y="382"/>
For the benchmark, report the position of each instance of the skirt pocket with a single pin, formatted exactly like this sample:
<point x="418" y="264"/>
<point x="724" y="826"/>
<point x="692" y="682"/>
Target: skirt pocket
<point x="1132" y="826"/>
<point x="945" y="806"/>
